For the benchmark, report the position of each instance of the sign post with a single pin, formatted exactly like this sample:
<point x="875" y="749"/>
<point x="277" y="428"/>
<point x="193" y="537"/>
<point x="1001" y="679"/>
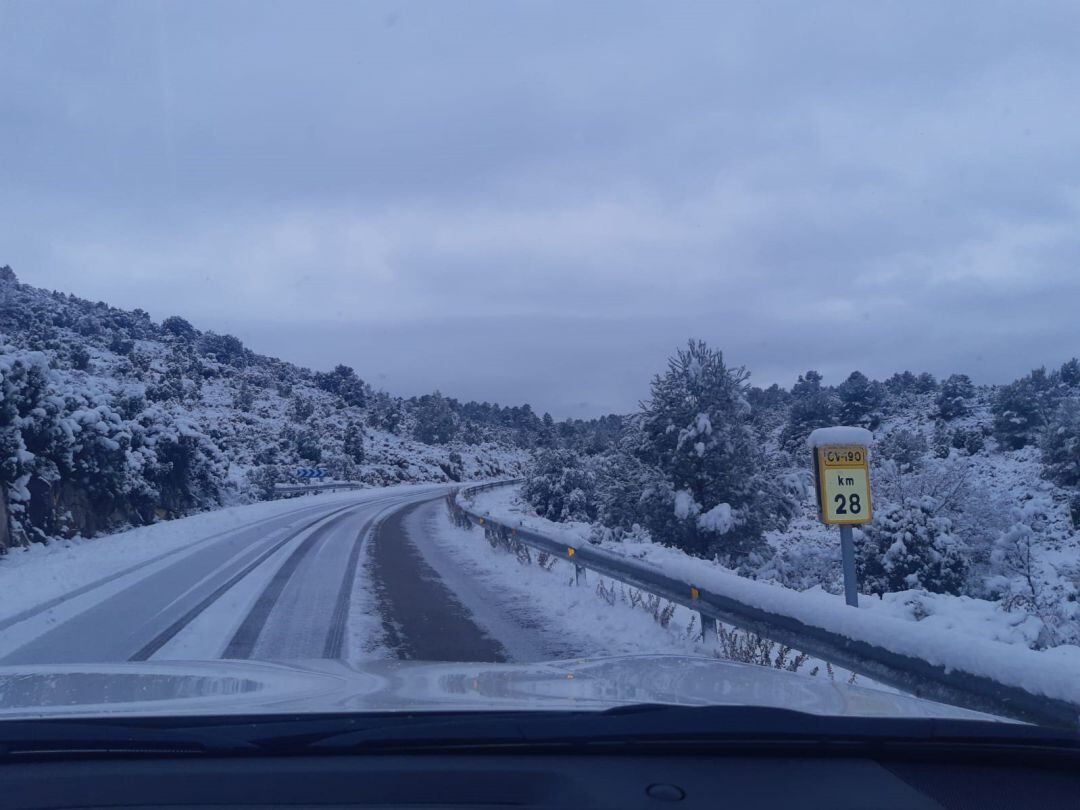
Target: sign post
<point x="842" y="484"/>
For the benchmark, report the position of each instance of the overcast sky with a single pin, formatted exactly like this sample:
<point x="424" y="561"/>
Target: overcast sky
<point x="538" y="202"/>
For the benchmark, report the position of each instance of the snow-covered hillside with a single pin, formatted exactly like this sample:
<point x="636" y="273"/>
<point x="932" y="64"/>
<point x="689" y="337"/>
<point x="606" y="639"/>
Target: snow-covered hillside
<point x="108" y="419"/>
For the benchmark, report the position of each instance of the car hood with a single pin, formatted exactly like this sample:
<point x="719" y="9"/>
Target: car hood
<point x="171" y="688"/>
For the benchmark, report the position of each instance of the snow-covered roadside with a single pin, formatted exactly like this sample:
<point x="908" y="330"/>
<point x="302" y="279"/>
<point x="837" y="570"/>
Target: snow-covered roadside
<point x="956" y="632"/>
<point x="584" y="622"/>
<point x="32" y="577"/>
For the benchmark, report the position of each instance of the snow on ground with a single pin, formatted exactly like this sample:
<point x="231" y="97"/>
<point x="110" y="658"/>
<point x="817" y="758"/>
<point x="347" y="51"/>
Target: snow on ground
<point x="33" y="576"/>
<point x="957" y="632"/>
<point x="572" y="620"/>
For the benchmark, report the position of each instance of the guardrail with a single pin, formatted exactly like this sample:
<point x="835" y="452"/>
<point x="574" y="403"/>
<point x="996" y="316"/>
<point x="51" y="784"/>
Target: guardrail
<point x="329" y="486"/>
<point x="940" y="682"/>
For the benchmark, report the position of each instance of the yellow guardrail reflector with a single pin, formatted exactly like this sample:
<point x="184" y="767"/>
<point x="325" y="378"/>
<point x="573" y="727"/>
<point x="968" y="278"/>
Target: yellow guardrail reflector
<point x="569" y="552"/>
<point x="694" y="593"/>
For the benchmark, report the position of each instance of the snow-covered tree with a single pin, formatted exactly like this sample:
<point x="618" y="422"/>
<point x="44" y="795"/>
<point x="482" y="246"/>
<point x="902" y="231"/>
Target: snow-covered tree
<point x="1060" y="444"/>
<point x="1022" y="408"/>
<point x="225" y="349"/>
<point x="435" y="421"/>
<point x="352" y="444"/>
<point x="970" y="440"/>
<point x="343" y="382"/>
<point x="696" y="429"/>
<point x="860" y="400"/>
<point x="954" y="396"/>
<point x="906" y="384"/>
<point x="910" y="547"/>
<point x="180" y="328"/>
<point x="941" y="442"/>
<point x="300" y="409"/>
<point x="812" y="406"/>
<point x="905" y="447"/>
<point x="560" y="485"/>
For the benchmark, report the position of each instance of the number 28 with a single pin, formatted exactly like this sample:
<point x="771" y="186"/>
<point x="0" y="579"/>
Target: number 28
<point x="851" y="504"/>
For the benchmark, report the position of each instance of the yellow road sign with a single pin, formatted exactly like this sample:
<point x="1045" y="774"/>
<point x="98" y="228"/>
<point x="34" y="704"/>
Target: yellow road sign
<point x="843" y="478"/>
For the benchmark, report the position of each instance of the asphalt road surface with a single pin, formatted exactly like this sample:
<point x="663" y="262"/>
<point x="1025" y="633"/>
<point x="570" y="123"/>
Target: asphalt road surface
<point x="294" y="574"/>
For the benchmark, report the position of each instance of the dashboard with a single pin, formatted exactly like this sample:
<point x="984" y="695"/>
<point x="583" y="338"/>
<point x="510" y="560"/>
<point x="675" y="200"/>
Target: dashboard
<point x="534" y="781"/>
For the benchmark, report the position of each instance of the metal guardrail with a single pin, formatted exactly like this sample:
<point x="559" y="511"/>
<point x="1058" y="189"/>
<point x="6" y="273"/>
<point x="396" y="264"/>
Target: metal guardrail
<point x="296" y="489"/>
<point x="907" y="673"/>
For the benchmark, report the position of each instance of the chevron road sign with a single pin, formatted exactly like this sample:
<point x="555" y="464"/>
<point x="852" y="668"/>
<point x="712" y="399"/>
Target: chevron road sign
<point x="310" y="472"/>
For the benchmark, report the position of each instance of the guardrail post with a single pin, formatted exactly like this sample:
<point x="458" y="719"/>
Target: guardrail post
<point x="579" y="574"/>
<point x="708" y="627"/>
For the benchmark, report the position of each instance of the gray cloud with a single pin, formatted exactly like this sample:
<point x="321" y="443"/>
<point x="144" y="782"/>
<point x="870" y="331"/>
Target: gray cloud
<point x="516" y="202"/>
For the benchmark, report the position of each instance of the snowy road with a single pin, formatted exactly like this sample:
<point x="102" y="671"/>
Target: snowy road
<point x="374" y="574"/>
<point x="281" y="587"/>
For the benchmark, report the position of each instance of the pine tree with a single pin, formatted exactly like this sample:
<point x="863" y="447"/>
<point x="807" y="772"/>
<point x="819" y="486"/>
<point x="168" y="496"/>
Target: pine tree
<point x="860" y="401"/>
<point x="1022" y="408"/>
<point x="1060" y="444"/>
<point x="696" y="429"/>
<point x="954" y="396"/>
<point x="353" y="442"/>
<point x="812" y="406"/>
<point x="908" y="547"/>
<point x="435" y="421"/>
<point x="1070" y="373"/>
<point x="547" y="435"/>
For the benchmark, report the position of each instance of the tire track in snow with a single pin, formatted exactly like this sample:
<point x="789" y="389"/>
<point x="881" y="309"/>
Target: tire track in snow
<point x="176" y="627"/>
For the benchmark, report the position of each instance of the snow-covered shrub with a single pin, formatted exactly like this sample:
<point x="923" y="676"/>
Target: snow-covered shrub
<point x="178" y="327"/>
<point x="225" y="349"/>
<point x="1024" y="579"/>
<point x="1060" y="444"/>
<point x="909" y="547"/>
<point x="560" y="485"/>
<point x="970" y="440"/>
<point x="905" y="447"/>
<point x="343" y="382"/>
<point x="262" y="479"/>
<point x="300" y="409"/>
<point x="954" y="395"/>
<point x="941" y="442"/>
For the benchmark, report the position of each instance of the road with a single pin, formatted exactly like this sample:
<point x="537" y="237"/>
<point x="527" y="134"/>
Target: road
<point x="280" y="588"/>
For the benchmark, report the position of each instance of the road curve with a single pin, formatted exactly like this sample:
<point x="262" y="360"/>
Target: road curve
<point x="423" y="620"/>
<point x="280" y="588"/>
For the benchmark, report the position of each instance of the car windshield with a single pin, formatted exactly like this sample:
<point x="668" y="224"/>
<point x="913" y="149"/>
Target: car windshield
<point x="483" y="356"/>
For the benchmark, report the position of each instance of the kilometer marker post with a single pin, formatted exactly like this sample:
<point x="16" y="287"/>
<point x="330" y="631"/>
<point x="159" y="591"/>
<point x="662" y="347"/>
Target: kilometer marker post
<point x="842" y="485"/>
